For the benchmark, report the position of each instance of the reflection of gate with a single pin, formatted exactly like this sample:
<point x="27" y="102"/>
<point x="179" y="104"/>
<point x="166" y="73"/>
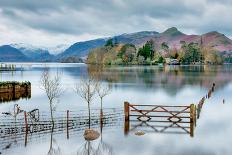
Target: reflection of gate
<point x="160" y="118"/>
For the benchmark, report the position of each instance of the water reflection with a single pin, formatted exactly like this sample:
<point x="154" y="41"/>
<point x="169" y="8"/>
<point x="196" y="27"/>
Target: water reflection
<point x="87" y="149"/>
<point x="10" y="96"/>
<point x="54" y="148"/>
<point x="160" y="119"/>
<point x="35" y="125"/>
<point x="171" y="78"/>
<point x="103" y="148"/>
<point x="142" y="85"/>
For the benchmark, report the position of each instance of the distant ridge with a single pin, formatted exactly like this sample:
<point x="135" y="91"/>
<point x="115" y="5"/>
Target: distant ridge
<point x="171" y="36"/>
<point x="11" y="54"/>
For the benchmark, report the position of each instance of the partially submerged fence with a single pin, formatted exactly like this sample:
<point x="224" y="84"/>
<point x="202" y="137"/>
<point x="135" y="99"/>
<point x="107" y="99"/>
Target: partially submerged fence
<point x="164" y="118"/>
<point x="160" y="118"/>
<point x="36" y="124"/>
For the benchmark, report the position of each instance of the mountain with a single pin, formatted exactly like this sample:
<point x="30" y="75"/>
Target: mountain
<point x="172" y="32"/>
<point x="11" y="54"/>
<point x="36" y="54"/>
<point x="135" y="38"/>
<point x="57" y="49"/>
<point x="81" y="49"/>
<point x="171" y="36"/>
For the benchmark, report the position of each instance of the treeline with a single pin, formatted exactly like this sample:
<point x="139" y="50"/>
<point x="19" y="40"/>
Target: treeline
<point x="114" y="53"/>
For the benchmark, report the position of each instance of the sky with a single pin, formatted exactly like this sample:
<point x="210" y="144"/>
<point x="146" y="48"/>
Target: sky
<point x="54" y="22"/>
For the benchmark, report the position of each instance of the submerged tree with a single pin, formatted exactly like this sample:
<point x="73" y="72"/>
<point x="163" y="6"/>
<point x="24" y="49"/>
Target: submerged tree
<point x="87" y="89"/>
<point x="52" y="87"/>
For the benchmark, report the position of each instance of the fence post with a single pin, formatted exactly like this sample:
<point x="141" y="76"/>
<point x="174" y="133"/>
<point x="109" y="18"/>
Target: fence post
<point x="192" y="120"/>
<point x="26" y="126"/>
<point x="67" y="124"/>
<point x="127" y="111"/>
<point x="195" y="115"/>
<point x="127" y="118"/>
<point x="25" y="118"/>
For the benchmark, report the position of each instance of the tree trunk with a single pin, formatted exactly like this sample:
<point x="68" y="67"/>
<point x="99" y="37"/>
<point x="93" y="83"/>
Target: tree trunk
<point x="101" y="103"/>
<point x="89" y="114"/>
<point x="51" y="114"/>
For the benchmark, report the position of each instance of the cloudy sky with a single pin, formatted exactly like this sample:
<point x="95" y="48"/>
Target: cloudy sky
<point x="53" y="22"/>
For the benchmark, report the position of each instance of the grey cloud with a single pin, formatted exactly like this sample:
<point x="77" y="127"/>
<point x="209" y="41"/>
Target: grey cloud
<point x="111" y="17"/>
<point x="103" y="12"/>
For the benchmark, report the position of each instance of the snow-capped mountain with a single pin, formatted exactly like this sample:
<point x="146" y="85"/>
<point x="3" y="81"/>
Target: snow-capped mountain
<point x="51" y="49"/>
<point x="33" y="52"/>
<point x="57" y="49"/>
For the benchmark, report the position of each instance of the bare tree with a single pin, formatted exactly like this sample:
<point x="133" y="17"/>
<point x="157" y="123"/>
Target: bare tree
<point x="52" y="87"/>
<point x="103" y="90"/>
<point x="86" y="89"/>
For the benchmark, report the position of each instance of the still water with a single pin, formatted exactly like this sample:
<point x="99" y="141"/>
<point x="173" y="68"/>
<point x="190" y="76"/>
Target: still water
<point x="168" y="85"/>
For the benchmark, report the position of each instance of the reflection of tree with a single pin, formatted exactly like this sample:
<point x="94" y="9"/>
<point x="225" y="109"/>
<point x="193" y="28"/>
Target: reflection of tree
<point x="54" y="148"/>
<point x="86" y="149"/>
<point x="103" y="148"/>
<point x="171" y="78"/>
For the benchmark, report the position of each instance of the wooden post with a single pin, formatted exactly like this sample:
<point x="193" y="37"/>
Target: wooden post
<point x="198" y="110"/>
<point x="127" y="111"/>
<point x="26" y="127"/>
<point x="67" y="124"/>
<point x="25" y="118"/>
<point x="213" y="88"/>
<point x="127" y="118"/>
<point x="195" y="115"/>
<point x="192" y="120"/>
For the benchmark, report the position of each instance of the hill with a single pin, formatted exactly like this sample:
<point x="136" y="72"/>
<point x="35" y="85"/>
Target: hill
<point x="11" y="54"/>
<point x="80" y="49"/>
<point x="172" y="36"/>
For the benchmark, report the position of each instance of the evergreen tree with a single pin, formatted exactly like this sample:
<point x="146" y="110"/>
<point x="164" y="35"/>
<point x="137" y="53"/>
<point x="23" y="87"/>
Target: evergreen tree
<point x="109" y="42"/>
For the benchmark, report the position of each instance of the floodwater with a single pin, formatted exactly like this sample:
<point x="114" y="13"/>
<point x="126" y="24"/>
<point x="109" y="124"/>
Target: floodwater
<point x="153" y="85"/>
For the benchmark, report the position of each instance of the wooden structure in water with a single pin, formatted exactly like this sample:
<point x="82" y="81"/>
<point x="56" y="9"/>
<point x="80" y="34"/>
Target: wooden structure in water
<point x="37" y="124"/>
<point x="7" y="67"/>
<point x="160" y="118"/>
<point x="11" y="91"/>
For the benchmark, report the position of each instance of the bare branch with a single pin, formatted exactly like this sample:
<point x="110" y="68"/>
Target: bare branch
<point x="87" y="88"/>
<point x="52" y="87"/>
<point x="103" y="90"/>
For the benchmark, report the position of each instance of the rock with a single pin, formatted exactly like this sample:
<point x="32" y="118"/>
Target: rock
<point x="139" y="133"/>
<point x="91" y="134"/>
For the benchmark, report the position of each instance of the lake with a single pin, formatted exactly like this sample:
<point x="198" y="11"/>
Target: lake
<point x="143" y="85"/>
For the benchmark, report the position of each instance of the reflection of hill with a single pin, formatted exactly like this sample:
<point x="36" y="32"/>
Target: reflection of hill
<point x="170" y="78"/>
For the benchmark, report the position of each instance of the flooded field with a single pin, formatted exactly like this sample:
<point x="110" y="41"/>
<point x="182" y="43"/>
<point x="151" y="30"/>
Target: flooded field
<point x="161" y="119"/>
